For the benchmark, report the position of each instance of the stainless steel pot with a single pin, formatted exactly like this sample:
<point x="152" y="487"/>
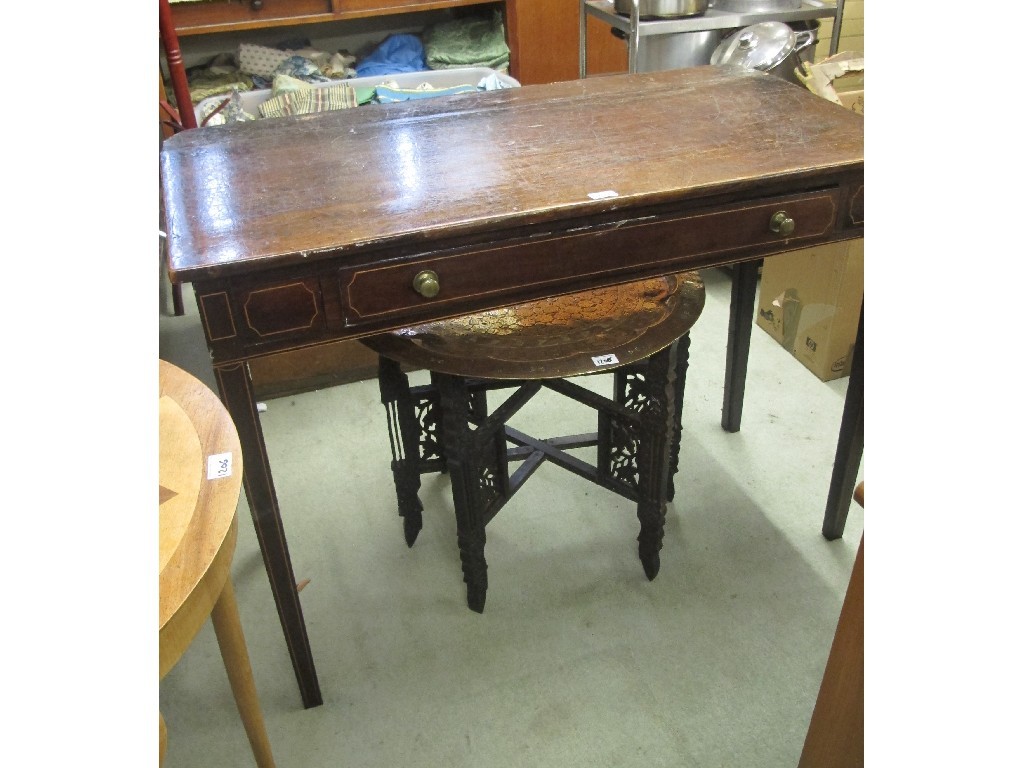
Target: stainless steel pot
<point x="769" y="46"/>
<point x="662" y="9"/>
<point x="755" y="6"/>
<point x="683" y="49"/>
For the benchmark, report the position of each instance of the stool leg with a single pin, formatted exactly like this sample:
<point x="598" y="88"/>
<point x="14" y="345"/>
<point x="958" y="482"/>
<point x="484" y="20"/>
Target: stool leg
<point x="228" y="628"/>
<point x="438" y="444"/>
<point x="464" y="467"/>
<point x="403" y="431"/>
<point x="682" y="363"/>
<point x="163" y="739"/>
<point x="653" y="460"/>
<point x="617" y="439"/>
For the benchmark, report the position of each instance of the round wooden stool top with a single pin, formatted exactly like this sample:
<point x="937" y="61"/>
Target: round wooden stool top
<point x="569" y="335"/>
<point x="198" y="520"/>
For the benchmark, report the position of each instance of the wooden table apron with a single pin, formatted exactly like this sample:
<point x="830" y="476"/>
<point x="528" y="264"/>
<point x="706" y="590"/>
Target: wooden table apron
<point x="304" y="230"/>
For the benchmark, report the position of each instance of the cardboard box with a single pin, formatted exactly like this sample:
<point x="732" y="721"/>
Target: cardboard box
<point x="810" y="299"/>
<point x="839" y="78"/>
<point x="810" y="303"/>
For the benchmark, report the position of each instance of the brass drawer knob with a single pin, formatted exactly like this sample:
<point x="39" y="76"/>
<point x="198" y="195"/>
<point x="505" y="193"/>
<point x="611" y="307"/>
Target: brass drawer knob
<point x="781" y="224"/>
<point x="426" y="284"/>
<point x="256" y="5"/>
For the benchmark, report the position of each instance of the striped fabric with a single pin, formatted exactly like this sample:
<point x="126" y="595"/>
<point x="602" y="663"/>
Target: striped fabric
<point x="310" y="100"/>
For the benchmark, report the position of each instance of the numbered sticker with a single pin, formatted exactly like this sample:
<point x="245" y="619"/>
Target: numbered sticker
<point x="218" y="466"/>
<point x="605" y="360"/>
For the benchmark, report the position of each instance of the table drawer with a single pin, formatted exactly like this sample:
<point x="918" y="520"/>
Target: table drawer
<point x="197" y="18"/>
<point x="469" y="277"/>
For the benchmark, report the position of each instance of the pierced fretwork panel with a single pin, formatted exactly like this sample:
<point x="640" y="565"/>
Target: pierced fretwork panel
<point x="430" y="430"/>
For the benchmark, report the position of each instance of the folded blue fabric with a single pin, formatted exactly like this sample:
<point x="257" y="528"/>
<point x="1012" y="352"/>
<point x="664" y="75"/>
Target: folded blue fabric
<point x="398" y="53"/>
<point x="388" y="95"/>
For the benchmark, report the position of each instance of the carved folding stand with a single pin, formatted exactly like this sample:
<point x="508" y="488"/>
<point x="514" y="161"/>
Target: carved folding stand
<point x="638" y="330"/>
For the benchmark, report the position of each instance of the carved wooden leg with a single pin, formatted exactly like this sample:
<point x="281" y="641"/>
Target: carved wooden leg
<point x="404" y="434"/>
<point x="653" y="459"/>
<point x="466" y="473"/>
<point x="616" y="440"/>
<point x="236" y="393"/>
<point x="741" y="323"/>
<point x="682" y="363"/>
<point x="439" y="425"/>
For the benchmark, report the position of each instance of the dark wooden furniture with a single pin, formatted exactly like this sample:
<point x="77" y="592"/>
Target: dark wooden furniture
<point x="300" y="231"/>
<point x="637" y="331"/>
<point x="543" y="41"/>
<point x="543" y="35"/>
<point x="835" y="736"/>
<point x="235" y="15"/>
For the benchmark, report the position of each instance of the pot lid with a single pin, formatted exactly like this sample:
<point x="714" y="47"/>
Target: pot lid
<point x="759" y="46"/>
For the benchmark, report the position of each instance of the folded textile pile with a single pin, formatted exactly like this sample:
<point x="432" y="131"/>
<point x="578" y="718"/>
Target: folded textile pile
<point x="226" y="110"/>
<point x="291" y="95"/>
<point x="469" y="42"/>
<point x="309" y="100"/>
<point x="398" y="53"/>
<point x="265" y="62"/>
<point x="220" y="75"/>
<point x="256" y="66"/>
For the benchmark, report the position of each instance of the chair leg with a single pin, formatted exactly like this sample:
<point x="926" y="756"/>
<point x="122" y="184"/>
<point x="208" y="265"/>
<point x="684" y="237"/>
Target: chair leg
<point x="403" y="431"/>
<point x="654" y="455"/>
<point x="467" y="473"/>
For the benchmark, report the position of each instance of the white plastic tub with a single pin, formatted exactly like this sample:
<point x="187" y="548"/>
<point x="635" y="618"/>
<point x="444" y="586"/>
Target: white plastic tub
<point x="436" y="78"/>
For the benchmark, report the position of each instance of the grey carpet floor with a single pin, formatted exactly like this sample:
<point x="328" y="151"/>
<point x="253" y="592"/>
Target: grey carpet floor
<point x="578" y="660"/>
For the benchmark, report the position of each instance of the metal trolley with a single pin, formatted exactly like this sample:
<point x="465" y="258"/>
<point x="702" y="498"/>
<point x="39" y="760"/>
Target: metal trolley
<point x="637" y="29"/>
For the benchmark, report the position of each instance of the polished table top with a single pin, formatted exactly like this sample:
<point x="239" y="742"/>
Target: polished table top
<point x="256" y="195"/>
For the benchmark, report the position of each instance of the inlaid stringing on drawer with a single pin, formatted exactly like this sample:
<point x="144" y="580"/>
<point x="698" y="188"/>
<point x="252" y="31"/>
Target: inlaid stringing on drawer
<point x="289" y="308"/>
<point x="372" y="292"/>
